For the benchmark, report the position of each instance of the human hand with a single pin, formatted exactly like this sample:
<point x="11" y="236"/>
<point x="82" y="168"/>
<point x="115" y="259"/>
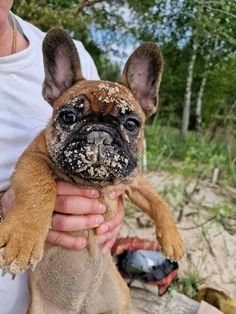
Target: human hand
<point x="75" y="209"/>
<point x="79" y="209"/>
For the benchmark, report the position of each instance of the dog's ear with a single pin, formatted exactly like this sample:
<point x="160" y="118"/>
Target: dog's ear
<point x="61" y="64"/>
<point x="142" y="75"/>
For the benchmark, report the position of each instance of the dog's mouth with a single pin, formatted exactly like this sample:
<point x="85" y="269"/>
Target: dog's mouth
<point x="96" y="154"/>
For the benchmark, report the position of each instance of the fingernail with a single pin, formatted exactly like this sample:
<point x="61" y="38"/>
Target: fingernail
<point x="102" y="208"/>
<point x="98" y="220"/>
<point x="94" y="193"/>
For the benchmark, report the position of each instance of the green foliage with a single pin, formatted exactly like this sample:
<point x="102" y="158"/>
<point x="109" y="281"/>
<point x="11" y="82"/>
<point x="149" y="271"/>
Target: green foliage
<point x="48" y="14"/>
<point x="109" y="71"/>
<point x="175" y="25"/>
<point x="165" y="151"/>
<point x="128" y="209"/>
<point x="188" y="284"/>
<point x="222" y="211"/>
<point x="202" y="157"/>
<point x="171" y="193"/>
<point x="220" y="93"/>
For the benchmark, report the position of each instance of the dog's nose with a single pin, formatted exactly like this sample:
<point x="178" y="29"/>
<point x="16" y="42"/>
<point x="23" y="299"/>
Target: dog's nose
<point x="99" y="138"/>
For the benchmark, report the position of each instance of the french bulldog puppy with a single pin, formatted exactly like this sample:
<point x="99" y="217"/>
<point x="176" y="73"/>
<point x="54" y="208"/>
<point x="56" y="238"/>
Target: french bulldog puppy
<point x="94" y="138"/>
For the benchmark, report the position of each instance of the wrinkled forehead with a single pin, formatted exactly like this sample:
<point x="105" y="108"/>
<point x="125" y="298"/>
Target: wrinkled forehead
<point x="104" y="97"/>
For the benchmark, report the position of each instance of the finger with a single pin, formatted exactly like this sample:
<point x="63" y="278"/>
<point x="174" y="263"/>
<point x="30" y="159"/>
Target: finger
<point x="65" y="188"/>
<point x="78" y="205"/>
<point x="106" y="237"/>
<point x="66" y="241"/>
<point x="108" y="245"/>
<point x="74" y="223"/>
<point x="114" y="222"/>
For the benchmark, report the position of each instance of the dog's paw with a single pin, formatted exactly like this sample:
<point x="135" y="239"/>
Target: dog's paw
<point x="20" y="248"/>
<point x="171" y="243"/>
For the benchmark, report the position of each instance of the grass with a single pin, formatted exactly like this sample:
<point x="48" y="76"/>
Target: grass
<point x="195" y="156"/>
<point x="188" y="284"/>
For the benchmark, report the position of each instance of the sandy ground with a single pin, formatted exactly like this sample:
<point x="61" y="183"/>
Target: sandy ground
<point x="210" y="249"/>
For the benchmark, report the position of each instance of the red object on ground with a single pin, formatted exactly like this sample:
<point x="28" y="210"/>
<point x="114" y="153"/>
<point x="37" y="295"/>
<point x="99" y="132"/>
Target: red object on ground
<point x="133" y="244"/>
<point x="164" y="283"/>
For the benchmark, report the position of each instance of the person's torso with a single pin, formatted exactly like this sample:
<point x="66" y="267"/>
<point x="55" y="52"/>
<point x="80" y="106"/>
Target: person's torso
<point x="24" y="113"/>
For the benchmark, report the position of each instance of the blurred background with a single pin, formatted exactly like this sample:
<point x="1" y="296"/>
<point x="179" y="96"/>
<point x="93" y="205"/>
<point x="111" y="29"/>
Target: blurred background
<point x="190" y="151"/>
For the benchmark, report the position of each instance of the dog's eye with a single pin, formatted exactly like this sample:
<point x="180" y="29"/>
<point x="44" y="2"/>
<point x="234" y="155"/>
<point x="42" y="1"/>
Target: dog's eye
<point x="131" y="124"/>
<point x="68" y="117"/>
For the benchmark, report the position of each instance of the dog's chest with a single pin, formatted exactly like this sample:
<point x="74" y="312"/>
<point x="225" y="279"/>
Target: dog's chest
<point x="69" y="278"/>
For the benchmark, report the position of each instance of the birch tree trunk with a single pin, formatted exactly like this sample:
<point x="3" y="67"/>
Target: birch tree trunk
<point x="188" y="93"/>
<point x="199" y="105"/>
<point x="144" y="164"/>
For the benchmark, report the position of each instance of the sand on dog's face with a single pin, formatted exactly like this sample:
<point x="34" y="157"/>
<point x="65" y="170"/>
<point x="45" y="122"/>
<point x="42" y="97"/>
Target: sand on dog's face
<point x="95" y="134"/>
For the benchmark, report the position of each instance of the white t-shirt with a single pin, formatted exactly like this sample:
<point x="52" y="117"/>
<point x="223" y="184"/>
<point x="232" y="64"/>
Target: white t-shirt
<point x="23" y="114"/>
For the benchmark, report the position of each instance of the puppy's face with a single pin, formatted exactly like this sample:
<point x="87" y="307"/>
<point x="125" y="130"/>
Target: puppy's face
<point x="96" y="132"/>
<point x="95" y="135"/>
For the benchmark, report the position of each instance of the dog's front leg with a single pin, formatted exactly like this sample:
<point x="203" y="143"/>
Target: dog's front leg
<point x="145" y="197"/>
<point x="23" y="233"/>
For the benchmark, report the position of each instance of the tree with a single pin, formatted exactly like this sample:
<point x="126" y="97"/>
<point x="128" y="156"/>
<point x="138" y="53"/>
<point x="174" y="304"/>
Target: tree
<point x="202" y="32"/>
<point x="188" y="92"/>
